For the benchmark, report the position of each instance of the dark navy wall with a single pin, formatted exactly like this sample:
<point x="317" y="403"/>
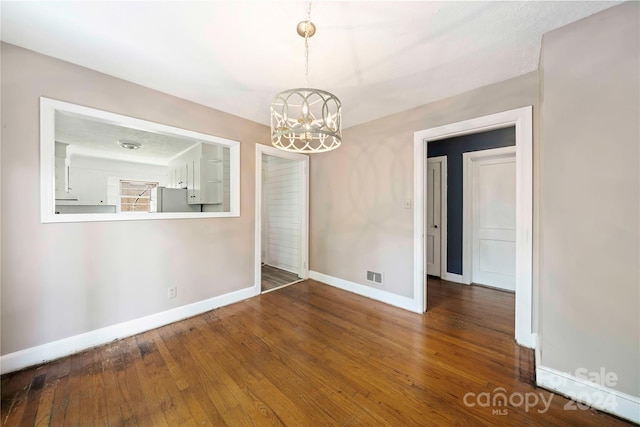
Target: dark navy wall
<point x="453" y="149"/>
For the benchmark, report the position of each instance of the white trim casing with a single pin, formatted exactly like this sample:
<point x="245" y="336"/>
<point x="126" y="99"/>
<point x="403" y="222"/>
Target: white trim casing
<point x="303" y="162"/>
<point x="366" y="291"/>
<point x="48" y="108"/>
<point x="524" y="229"/>
<point x="466" y="219"/>
<point x="419" y="252"/>
<point x="521" y="118"/>
<point x="74" y="344"/>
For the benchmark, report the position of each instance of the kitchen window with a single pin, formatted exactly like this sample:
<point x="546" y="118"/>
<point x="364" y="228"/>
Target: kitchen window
<point x="135" y="196"/>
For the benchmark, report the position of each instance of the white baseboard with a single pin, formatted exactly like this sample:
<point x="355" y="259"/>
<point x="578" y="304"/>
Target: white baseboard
<point x="367" y="291"/>
<point x="67" y="346"/>
<point x="455" y="278"/>
<point x="586" y="392"/>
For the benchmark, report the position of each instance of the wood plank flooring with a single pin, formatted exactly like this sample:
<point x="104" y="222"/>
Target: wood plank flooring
<point x="274" y="278"/>
<point x="305" y="355"/>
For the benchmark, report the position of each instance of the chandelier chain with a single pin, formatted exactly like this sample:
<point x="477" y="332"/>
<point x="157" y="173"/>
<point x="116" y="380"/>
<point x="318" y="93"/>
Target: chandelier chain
<point x="306" y="46"/>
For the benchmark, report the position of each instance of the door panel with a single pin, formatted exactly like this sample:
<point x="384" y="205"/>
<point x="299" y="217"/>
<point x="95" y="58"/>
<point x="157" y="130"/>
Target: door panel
<point x="494" y="222"/>
<point x="434" y="177"/>
<point x="497" y="256"/>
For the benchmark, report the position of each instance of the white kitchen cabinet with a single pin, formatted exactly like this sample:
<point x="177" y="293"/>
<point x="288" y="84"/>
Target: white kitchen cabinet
<point x="181" y="175"/>
<point x="193" y="182"/>
<point x="199" y="170"/>
<point x="211" y="180"/>
<point x="177" y="175"/>
<point x="204" y="181"/>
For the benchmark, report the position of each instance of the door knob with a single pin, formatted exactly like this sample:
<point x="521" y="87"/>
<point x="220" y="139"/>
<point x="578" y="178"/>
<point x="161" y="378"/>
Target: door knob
<point x="435" y="226"/>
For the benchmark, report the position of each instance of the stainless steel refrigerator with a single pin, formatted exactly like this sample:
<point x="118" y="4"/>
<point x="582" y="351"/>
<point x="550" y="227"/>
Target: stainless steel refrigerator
<point x="174" y="200"/>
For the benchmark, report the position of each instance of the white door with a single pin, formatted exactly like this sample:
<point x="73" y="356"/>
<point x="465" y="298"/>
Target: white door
<point x="434" y="177"/>
<point x="494" y="221"/>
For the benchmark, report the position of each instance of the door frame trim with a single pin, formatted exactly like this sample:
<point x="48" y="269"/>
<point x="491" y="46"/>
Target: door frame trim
<point x="522" y="119"/>
<point x="442" y="160"/>
<point x="303" y="163"/>
<point x="467" y="203"/>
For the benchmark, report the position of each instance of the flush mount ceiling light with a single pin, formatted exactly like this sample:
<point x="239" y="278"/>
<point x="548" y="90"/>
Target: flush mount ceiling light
<point x="129" y="145"/>
<point x="306" y="120"/>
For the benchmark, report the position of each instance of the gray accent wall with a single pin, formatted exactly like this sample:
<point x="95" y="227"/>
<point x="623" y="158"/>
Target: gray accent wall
<point x="453" y="149"/>
<point x="590" y="200"/>
<point x="60" y="280"/>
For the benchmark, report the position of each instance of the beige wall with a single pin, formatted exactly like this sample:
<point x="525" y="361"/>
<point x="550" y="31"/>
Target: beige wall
<point x="590" y="216"/>
<point x="60" y="280"/>
<point x="358" y="219"/>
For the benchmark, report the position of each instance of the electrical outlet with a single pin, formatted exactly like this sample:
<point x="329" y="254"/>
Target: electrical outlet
<point x="172" y="292"/>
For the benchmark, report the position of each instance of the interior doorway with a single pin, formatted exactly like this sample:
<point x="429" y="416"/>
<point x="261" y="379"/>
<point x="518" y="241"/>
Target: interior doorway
<point x="521" y="119"/>
<point x="282" y="219"/>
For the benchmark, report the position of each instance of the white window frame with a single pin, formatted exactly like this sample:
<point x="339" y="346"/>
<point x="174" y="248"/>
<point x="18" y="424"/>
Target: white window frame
<point x="48" y="108"/>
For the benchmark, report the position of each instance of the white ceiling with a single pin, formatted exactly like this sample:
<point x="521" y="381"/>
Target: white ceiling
<point x="377" y="57"/>
<point x="96" y="138"/>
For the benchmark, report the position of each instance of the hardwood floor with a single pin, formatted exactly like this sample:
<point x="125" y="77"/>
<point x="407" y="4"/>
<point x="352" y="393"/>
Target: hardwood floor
<point x="308" y="354"/>
<point x="275" y="278"/>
